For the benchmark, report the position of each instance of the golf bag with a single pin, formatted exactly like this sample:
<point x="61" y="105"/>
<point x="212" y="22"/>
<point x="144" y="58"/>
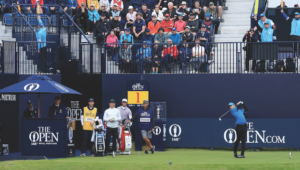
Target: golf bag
<point x="98" y="138"/>
<point x="125" y="139"/>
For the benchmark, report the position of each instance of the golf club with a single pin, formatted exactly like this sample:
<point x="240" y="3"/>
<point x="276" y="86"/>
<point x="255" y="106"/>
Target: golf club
<point x="223" y="115"/>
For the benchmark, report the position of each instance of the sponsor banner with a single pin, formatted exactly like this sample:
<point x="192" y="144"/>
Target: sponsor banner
<point x="279" y="133"/>
<point x="74" y="110"/>
<point x="8" y="97"/>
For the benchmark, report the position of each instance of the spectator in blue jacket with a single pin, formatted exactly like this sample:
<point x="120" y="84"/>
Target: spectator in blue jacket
<point x="150" y="4"/>
<point x="71" y="6"/>
<point x="138" y="26"/>
<point x="295" y="29"/>
<point x="26" y="8"/>
<point x="144" y="56"/>
<point x="51" y="9"/>
<point x="175" y="37"/>
<point x="147" y="37"/>
<point x="204" y="35"/>
<point x="184" y="56"/>
<point x="137" y="4"/>
<point x="93" y="18"/>
<point x="127" y="36"/>
<point x="41" y="35"/>
<point x="61" y="3"/>
<point x="146" y="14"/>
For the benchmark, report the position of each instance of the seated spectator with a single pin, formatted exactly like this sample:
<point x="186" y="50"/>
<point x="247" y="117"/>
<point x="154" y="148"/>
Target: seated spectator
<point x="146" y="14"/>
<point x="82" y="17"/>
<point x="102" y="27"/>
<point x="156" y="57"/>
<point x="26" y="7"/>
<point x="150" y="4"/>
<point x="193" y="24"/>
<point x="34" y="7"/>
<point x="167" y="24"/>
<point x="185" y="54"/>
<point x="158" y="13"/>
<point x="175" y="37"/>
<point x="95" y="2"/>
<point x="198" y="55"/>
<point x="184" y="11"/>
<point x="207" y="21"/>
<point x="106" y="4"/>
<point x="214" y="2"/>
<point x="130" y="17"/>
<point x="212" y="10"/>
<point x="51" y="9"/>
<point x="125" y="54"/>
<point x="169" y="54"/>
<point x="161" y="37"/>
<point x="103" y="10"/>
<point x="199" y="13"/>
<point x="71" y="6"/>
<point x="112" y="44"/>
<point x="7" y="8"/>
<point x="116" y="25"/>
<point x="203" y="35"/>
<point x="114" y="12"/>
<point x="143" y="57"/>
<point x="188" y="36"/>
<point x="127" y="36"/>
<point x="136" y="4"/>
<point x="165" y="4"/>
<point x="78" y="2"/>
<point x="138" y="26"/>
<point x="171" y="11"/>
<point x="147" y="37"/>
<point x="180" y="24"/>
<point x="118" y="3"/>
<point x="93" y="18"/>
<point x="154" y="25"/>
<point x="202" y="4"/>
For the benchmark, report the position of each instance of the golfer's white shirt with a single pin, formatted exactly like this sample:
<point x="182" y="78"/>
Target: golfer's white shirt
<point x="112" y="114"/>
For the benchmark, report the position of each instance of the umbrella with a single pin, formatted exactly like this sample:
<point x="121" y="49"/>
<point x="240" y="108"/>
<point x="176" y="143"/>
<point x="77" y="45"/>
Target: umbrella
<point x="38" y="84"/>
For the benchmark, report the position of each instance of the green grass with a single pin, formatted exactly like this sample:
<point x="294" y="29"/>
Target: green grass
<point x="181" y="158"/>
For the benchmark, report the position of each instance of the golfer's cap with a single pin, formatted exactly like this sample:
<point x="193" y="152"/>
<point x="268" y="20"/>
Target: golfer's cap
<point x="127" y="29"/>
<point x="174" y="29"/>
<point x="154" y="15"/>
<point x="92" y="5"/>
<point x="29" y="102"/>
<point x="230" y="104"/>
<point x="124" y="100"/>
<point x="297" y="13"/>
<point x="82" y="3"/>
<point x="130" y="7"/>
<point x="262" y="15"/>
<point x="203" y="26"/>
<point x="112" y="100"/>
<point x="183" y="3"/>
<point x="211" y="3"/>
<point x="145" y="101"/>
<point x="147" y="30"/>
<point x="57" y="98"/>
<point x="103" y="14"/>
<point x="91" y="99"/>
<point x="167" y="15"/>
<point x="187" y="27"/>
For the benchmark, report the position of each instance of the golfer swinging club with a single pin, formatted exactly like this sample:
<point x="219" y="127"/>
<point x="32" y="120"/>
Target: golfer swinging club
<point x="240" y="126"/>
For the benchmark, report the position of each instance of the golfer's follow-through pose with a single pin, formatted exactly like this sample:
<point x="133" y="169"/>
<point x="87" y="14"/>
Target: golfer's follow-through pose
<point x="241" y="126"/>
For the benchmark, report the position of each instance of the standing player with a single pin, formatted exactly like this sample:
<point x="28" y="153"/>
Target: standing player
<point x="240" y="126"/>
<point x="125" y="111"/>
<point x="88" y="117"/>
<point x="146" y="124"/>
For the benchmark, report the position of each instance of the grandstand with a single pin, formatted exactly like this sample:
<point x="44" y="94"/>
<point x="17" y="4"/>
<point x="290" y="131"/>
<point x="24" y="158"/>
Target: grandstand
<point x="69" y="44"/>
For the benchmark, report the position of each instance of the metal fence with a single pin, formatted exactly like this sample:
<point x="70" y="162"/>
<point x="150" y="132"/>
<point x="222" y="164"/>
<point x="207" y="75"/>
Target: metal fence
<point x="190" y="58"/>
<point x="28" y="57"/>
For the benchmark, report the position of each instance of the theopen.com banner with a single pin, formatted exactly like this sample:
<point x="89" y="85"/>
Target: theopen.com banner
<point x="198" y="132"/>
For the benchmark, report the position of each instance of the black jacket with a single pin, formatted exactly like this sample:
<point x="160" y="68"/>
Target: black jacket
<point x="188" y="38"/>
<point x="101" y="25"/>
<point x="193" y="24"/>
<point x="186" y="10"/>
<point x="164" y="3"/>
<point x="201" y="15"/>
<point x="115" y="24"/>
<point x="172" y="14"/>
<point x="82" y="15"/>
<point x="156" y="51"/>
<point x="105" y="12"/>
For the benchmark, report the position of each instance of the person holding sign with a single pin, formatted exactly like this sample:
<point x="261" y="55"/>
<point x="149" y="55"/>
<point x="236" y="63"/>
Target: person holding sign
<point x="146" y="124"/>
<point x="88" y="117"/>
<point x="112" y="117"/>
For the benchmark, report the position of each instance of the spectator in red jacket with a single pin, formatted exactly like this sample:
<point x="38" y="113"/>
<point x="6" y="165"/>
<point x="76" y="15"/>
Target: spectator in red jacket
<point x="169" y="54"/>
<point x="167" y="25"/>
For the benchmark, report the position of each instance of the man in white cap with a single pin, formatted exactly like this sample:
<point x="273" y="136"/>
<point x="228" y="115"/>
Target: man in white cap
<point x="114" y="11"/>
<point x="125" y="111"/>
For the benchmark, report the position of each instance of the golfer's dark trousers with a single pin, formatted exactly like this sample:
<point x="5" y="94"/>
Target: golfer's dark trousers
<point x="111" y="132"/>
<point x="241" y="131"/>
